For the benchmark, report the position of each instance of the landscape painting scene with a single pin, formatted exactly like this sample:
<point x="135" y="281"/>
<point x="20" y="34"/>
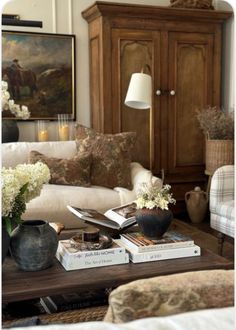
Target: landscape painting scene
<point x="39" y="70"/>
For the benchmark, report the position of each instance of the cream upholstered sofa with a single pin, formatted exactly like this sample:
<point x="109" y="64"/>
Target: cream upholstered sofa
<point x="51" y="204"/>
<point x="222" y="203"/>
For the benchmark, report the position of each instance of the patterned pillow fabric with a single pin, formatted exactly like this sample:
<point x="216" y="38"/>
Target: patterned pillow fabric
<point x="74" y="171"/>
<point x="171" y="294"/>
<point x="111" y="156"/>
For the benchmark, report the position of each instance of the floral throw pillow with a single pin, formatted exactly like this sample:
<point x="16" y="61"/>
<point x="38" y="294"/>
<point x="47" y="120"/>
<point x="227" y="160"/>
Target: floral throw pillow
<point x="74" y="171"/>
<point x="171" y="294"/>
<point x="111" y="156"/>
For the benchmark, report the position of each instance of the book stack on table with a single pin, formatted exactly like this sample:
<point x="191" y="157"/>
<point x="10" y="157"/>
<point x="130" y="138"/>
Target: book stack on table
<point x="72" y="259"/>
<point x="171" y="245"/>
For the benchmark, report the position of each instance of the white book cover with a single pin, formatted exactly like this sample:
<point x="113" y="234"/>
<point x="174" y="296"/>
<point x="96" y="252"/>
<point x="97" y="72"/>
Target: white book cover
<point x="170" y="240"/>
<point x="68" y="251"/>
<point x="137" y="257"/>
<point x="77" y="263"/>
<point x="115" y="218"/>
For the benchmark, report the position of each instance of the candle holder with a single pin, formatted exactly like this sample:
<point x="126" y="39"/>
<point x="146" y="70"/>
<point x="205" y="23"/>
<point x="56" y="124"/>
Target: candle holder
<point x="63" y="127"/>
<point x="42" y="131"/>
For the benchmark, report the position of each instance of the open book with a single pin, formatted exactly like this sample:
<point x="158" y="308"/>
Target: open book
<point x="116" y="218"/>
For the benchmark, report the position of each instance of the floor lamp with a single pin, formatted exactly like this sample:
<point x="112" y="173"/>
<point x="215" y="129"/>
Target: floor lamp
<point x="139" y="96"/>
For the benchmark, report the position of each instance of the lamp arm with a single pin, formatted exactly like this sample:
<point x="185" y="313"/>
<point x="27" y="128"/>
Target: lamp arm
<point x="146" y="66"/>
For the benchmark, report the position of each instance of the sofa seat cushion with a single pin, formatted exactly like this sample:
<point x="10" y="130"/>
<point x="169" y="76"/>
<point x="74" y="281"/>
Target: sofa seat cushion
<point x="52" y="202"/>
<point x="74" y="171"/>
<point x="111" y="156"/>
<point x="226" y="209"/>
<point x="172" y="294"/>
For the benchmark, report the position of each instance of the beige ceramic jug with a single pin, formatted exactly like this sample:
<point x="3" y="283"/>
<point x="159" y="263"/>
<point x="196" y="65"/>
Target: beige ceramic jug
<point x="197" y="203"/>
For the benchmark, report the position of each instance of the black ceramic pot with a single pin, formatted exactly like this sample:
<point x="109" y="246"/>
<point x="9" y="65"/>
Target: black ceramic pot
<point x="33" y="245"/>
<point x="153" y="223"/>
<point x="10" y="130"/>
<point x="5" y="242"/>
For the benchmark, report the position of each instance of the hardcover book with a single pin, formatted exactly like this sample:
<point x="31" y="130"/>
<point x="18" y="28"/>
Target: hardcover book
<point x="115" y="218"/>
<point x="170" y="240"/>
<point x="70" y="301"/>
<point x="72" y="259"/>
<point x="137" y="257"/>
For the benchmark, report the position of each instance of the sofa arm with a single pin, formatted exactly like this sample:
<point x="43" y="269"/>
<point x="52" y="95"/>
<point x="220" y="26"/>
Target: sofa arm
<point x="139" y="174"/>
<point x="222" y="186"/>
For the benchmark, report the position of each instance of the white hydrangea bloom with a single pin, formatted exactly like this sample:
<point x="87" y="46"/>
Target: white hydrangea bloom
<point x="7" y="104"/>
<point x="10" y="189"/>
<point x="151" y="197"/>
<point x="34" y="175"/>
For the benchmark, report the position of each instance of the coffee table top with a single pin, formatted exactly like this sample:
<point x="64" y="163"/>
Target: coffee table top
<point x="18" y="285"/>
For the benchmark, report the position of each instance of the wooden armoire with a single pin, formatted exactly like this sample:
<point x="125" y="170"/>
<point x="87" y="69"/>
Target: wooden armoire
<point x="182" y="48"/>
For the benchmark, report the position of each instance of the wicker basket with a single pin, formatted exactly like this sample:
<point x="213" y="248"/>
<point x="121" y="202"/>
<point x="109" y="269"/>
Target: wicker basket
<point x="218" y="153"/>
<point x="71" y="316"/>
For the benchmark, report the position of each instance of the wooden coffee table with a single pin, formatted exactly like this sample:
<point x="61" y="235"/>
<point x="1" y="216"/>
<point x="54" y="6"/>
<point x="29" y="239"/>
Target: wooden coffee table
<point x="19" y="285"/>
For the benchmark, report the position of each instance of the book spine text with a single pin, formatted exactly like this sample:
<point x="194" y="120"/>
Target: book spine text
<point x="157" y="247"/>
<point x="87" y="254"/>
<point x="94" y="261"/>
<point x="165" y="254"/>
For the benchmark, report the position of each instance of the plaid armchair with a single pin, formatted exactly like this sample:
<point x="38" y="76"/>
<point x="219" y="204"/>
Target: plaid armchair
<point x="222" y="202"/>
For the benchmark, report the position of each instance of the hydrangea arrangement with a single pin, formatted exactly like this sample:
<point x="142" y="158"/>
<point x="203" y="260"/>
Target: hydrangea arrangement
<point x="19" y="186"/>
<point x="7" y="104"/>
<point x="151" y="197"/>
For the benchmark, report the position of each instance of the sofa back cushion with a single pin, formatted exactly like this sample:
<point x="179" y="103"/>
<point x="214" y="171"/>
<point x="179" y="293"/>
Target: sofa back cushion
<point x="18" y="152"/>
<point x="111" y="156"/>
<point x="74" y="171"/>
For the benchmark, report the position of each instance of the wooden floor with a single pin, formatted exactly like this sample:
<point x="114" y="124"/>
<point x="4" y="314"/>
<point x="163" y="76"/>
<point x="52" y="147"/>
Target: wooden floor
<point x="204" y="227"/>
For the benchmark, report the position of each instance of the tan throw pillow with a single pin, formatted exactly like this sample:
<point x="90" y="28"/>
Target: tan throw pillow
<point x="74" y="171"/>
<point x="171" y="294"/>
<point x="111" y="156"/>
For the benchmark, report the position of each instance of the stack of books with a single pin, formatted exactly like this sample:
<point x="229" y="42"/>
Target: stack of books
<point x="71" y="301"/>
<point x="71" y="259"/>
<point x="172" y="245"/>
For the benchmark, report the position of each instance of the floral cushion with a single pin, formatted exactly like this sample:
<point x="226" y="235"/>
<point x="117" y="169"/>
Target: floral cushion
<point x="172" y="294"/>
<point x="74" y="171"/>
<point x="111" y="156"/>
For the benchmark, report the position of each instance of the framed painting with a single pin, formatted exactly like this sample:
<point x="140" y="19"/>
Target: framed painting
<point x="40" y="71"/>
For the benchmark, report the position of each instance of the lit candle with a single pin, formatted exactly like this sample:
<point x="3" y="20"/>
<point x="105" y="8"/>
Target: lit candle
<point x="64" y="133"/>
<point x="43" y="135"/>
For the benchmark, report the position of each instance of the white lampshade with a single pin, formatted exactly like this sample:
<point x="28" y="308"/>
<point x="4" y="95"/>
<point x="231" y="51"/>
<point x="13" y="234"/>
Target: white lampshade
<point x="139" y="95"/>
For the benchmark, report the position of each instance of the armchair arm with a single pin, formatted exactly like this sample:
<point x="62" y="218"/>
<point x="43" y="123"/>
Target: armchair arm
<point x="138" y="175"/>
<point x="222" y="186"/>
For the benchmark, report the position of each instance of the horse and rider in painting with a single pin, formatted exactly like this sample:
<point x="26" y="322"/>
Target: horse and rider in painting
<point x="19" y="78"/>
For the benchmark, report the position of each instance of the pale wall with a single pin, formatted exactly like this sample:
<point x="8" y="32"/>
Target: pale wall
<point x="64" y="16"/>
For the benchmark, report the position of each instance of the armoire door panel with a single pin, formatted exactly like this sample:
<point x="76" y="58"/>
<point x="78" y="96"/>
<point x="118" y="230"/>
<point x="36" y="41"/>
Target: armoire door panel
<point x="132" y="51"/>
<point x="190" y="76"/>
